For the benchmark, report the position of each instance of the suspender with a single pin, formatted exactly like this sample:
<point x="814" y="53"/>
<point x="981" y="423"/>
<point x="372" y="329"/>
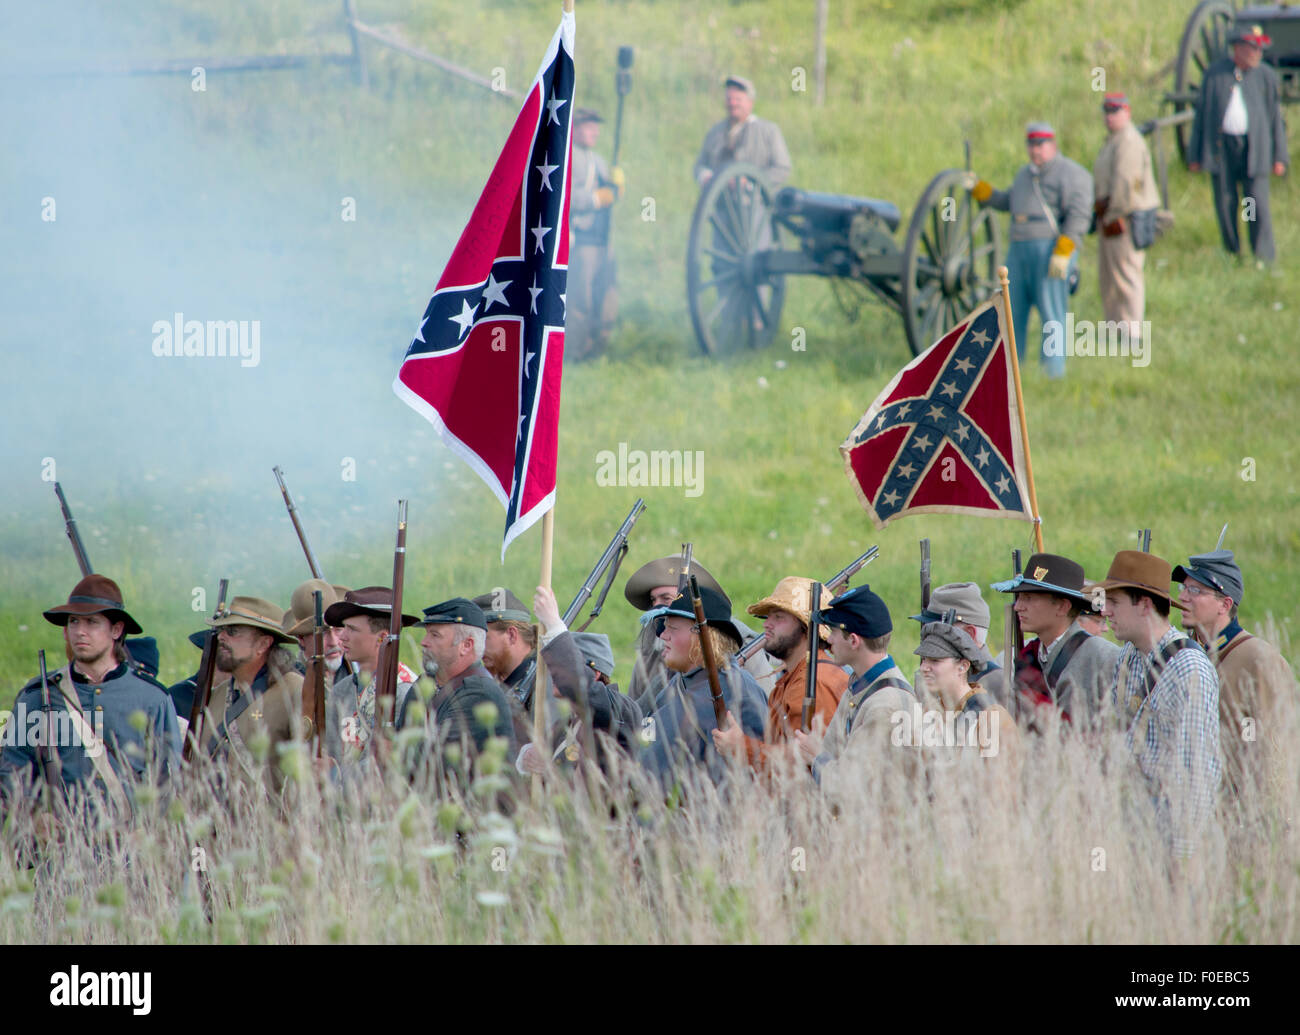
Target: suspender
<point x="1067" y="651"/>
<point x="883" y="681"/>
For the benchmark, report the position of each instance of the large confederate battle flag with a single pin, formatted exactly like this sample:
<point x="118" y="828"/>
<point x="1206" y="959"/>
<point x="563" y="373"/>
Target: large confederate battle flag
<point x="484" y="366"/>
<point x="944" y="436"/>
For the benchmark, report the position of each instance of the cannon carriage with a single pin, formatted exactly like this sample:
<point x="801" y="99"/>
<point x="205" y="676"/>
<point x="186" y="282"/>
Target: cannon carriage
<point x="746" y="239"/>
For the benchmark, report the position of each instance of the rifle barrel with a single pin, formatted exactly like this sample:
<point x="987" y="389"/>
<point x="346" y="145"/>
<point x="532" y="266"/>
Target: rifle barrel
<point x="613" y="550"/>
<point x="814" y="626"/>
<point x="831" y="586"/>
<point x="297" y="524"/>
<point x="78" y="547"/>
<point x="386" y="689"/>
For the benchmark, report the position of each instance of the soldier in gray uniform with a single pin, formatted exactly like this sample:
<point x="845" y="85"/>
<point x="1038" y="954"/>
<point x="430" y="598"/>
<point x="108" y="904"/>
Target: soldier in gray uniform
<point x="743" y="137"/>
<point x="92" y="699"/>
<point x="1239" y="138"/>
<point x="1050" y="202"/>
<point x="592" y="298"/>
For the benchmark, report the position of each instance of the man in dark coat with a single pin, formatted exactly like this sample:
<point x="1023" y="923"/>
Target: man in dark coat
<point x="455" y="632"/>
<point x="1239" y="138"/>
<point x="92" y="701"/>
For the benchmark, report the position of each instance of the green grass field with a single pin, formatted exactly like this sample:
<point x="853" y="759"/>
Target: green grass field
<point x="1115" y="447"/>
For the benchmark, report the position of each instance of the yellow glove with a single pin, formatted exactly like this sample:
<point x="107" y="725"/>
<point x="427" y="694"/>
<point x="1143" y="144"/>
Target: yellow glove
<point x="982" y="191"/>
<point x="604" y="197"/>
<point x="1059" y="265"/>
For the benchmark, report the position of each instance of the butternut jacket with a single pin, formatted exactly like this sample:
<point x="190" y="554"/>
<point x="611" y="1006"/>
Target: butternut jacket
<point x="785" y="705"/>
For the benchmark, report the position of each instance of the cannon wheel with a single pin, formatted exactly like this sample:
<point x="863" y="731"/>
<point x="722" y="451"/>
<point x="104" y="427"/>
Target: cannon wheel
<point x="1205" y="40"/>
<point x="734" y="304"/>
<point x="942" y="280"/>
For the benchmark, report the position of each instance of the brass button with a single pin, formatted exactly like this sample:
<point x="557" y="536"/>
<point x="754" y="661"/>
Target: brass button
<point x="99" y="689"/>
<point x="99" y="707"/>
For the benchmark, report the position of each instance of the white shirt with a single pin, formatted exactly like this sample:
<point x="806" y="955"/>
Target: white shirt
<point x="1235" y="121"/>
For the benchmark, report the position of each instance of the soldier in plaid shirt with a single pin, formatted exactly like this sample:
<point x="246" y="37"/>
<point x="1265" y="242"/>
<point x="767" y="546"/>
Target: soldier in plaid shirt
<point x="1165" y="689"/>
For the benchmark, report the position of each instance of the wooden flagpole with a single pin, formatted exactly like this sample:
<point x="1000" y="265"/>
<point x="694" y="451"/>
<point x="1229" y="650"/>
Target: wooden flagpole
<point x="1005" y="279"/>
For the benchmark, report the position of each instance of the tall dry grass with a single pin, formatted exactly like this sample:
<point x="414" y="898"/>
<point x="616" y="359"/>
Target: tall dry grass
<point x="1064" y="852"/>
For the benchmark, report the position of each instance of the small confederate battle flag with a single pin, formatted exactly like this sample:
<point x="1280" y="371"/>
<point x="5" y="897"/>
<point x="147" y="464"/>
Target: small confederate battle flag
<point x="484" y="366"/>
<point x="944" y="436"/>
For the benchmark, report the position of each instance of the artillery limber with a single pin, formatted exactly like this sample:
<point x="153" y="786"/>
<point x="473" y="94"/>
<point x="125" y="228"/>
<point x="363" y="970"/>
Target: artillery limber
<point x="738" y="259"/>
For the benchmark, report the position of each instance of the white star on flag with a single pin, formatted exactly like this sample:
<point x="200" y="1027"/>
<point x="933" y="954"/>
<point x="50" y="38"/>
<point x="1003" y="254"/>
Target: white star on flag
<point x="922" y="441"/>
<point x="1003" y="484"/>
<point x="891" y="497"/>
<point x="554" y="105"/>
<point x="980" y="338"/>
<point x="982" y="456"/>
<point x="465" y="318"/>
<point x="533" y="292"/>
<point x="540" y="233"/>
<point x="495" y="291"/>
<point x="936" y="413"/>
<point x="419" y="334"/>
<point x="964" y="364"/>
<point x="949" y="389"/>
<point x="906" y="471"/>
<point x="545" y="170"/>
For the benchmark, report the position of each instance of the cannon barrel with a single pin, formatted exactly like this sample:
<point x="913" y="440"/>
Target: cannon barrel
<point x="827" y="208"/>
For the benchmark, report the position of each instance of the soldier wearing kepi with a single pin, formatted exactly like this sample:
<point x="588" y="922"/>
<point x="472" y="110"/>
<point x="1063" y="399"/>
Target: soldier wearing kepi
<point x="592" y="299"/>
<point x="93" y="698"/>
<point x="951" y="662"/>
<point x="1257" y="690"/>
<point x="972" y="617"/>
<point x="510" y="654"/>
<point x="1050" y="202"/>
<point x="654" y="586"/>
<point x="1166" y="690"/>
<point x="455" y="634"/>
<point x="786" y="614"/>
<point x="363" y="617"/>
<point x="858" y="739"/>
<point x="1065" y="668"/>
<point x="743" y="137"/>
<point x="1239" y="138"/>
<point x="256" y="702"/>
<point x="1123" y="184"/>
<point x="677" y="732"/>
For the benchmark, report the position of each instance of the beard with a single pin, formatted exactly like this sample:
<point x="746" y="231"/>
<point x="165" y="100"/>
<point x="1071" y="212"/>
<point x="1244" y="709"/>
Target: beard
<point x="675" y="663"/>
<point x="225" y="659"/>
<point x="90" y="655"/>
<point x="430" y="664"/>
<point x="334" y="663"/>
<point x="786" y="648"/>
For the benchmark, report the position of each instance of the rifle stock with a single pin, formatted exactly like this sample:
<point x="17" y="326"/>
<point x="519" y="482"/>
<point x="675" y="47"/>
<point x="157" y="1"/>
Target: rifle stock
<point x="710" y="659"/>
<point x="810" y="687"/>
<point x="203" y="682"/>
<point x="831" y="588"/>
<point x="611" y="560"/>
<point x="297" y="525"/>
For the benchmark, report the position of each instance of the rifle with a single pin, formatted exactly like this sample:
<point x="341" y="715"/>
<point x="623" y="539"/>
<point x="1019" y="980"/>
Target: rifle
<point x="832" y="586"/>
<point x="810" y="688"/>
<point x="925" y="574"/>
<point x="203" y="681"/>
<point x="1013" y="641"/>
<point x="1144" y="538"/>
<point x="1015" y="623"/>
<point x="710" y="659"/>
<point x="386" y="673"/>
<point x="78" y="547"/>
<point x="47" y="755"/>
<point x="623" y="85"/>
<point x="297" y="525"/>
<point x="318" y="673"/>
<point x="611" y="560"/>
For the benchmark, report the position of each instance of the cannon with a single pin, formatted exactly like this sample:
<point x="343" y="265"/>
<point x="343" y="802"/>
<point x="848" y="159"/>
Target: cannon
<point x="1205" y="40"/>
<point x="738" y="258"/>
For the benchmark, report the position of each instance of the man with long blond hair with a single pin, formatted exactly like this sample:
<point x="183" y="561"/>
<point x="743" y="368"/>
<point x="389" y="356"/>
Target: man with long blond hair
<point x="677" y="734"/>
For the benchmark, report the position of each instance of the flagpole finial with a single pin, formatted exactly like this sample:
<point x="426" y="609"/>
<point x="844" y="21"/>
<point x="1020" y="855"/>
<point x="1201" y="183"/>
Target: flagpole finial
<point x="568" y="6"/>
